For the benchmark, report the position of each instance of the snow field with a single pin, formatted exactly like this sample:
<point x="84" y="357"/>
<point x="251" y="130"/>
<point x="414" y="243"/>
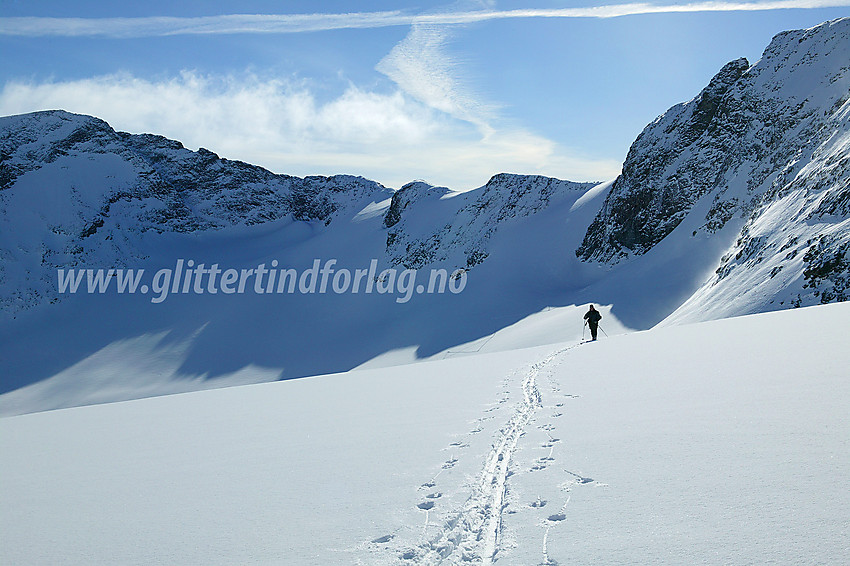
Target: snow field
<point x="717" y="443"/>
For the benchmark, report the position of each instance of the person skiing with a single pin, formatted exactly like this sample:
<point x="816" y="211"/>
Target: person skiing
<point x="592" y="318"/>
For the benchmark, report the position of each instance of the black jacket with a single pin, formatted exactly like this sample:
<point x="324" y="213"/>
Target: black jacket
<point x="593" y="317"/>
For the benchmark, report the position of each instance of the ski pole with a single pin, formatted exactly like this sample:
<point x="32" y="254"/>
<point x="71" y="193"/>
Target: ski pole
<point x="582" y="329"/>
<point x="603" y="332"/>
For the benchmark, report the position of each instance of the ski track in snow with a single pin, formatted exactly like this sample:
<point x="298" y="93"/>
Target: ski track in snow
<point x="473" y="533"/>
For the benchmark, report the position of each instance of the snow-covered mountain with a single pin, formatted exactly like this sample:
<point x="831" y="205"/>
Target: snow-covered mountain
<point x="514" y="441"/>
<point x="732" y="203"/>
<point x="761" y="155"/>
<point x="80" y="195"/>
<point x="415" y="240"/>
<point x="76" y="192"/>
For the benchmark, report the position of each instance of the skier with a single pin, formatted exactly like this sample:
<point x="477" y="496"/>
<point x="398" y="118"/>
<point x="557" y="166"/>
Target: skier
<point x="592" y="318"/>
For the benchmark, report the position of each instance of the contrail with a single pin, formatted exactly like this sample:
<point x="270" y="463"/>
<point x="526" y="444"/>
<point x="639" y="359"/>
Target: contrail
<point x="303" y="23"/>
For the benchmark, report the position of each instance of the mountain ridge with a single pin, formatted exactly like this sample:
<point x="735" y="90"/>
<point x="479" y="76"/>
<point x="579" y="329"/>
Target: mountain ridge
<point x="144" y="182"/>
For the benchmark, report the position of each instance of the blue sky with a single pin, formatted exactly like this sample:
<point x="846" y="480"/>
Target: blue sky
<point x="394" y="91"/>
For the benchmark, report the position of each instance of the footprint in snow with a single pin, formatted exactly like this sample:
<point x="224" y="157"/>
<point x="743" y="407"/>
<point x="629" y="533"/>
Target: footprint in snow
<point x="539" y="503"/>
<point x="557" y="517"/>
<point x="435" y="495"/>
<point x="383" y="539"/>
<point x="426" y="505"/>
<point x="449" y="463"/>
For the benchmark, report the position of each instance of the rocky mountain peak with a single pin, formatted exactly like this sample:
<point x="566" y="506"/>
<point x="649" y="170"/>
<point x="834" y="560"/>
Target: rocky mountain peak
<point x="411" y="193"/>
<point x="747" y="126"/>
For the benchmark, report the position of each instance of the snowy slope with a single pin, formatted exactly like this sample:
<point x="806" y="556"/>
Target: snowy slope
<point x="107" y="347"/>
<point x="132" y="348"/>
<point x="716" y="443"/>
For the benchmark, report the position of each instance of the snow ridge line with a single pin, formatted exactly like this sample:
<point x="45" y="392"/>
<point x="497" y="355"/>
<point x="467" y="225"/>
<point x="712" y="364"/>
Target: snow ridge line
<point x="472" y="534"/>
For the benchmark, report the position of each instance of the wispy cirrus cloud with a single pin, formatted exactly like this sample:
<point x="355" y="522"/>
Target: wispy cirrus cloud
<point x="302" y="23"/>
<point x="421" y="66"/>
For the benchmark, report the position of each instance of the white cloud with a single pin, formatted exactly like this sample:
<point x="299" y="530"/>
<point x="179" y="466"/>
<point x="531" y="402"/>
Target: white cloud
<point x="423" y="69"/>
<point x="280" y="125"/>
<point x="301" y="23"/>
